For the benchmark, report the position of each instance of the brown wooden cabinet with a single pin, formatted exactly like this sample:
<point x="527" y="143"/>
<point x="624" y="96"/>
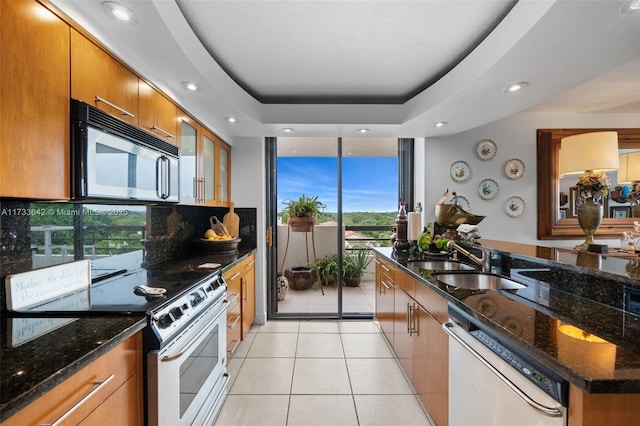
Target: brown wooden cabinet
<point x="420" y="344"/>
<point x="234" y="309"/>
<point x="240" y="279"/>
<point x="200" y="163"/>
<point x="34" y="102"/>
<point x="157" y="114"/>
<point x="385" y="297"/>
<point x="100" y="80"/>
<point x="430" y="377"/>
<point x="248" y="292"/>
<point x="107" y="391"/>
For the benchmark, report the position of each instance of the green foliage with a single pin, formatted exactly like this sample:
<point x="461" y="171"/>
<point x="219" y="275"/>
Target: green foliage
<point x="355" y="262"/>
<point x="327" y="267"/>
<point x="303" y="207"/>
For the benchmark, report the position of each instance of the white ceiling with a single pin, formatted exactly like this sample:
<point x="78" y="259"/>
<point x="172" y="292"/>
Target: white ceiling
<point x="328" y="68"/>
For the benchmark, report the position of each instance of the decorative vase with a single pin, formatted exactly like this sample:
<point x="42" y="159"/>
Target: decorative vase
<point x="301" y="224"/>
<point x="589" y="218"/>
<point x="298" y="277"/>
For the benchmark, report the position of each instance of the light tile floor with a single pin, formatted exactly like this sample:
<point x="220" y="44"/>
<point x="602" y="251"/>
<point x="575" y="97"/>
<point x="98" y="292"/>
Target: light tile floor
<point x="355" y="300"/>
<point x="325" y="373"/>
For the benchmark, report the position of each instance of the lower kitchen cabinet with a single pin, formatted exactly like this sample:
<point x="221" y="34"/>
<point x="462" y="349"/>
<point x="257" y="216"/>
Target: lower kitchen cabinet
<point x="240" y="280"/>
<point x="385" y="297"/>
<point x="107" y="391"/>
<point x="248" y="281"/>
<point x="234" y="309"/>
<point x="420" y="344"/>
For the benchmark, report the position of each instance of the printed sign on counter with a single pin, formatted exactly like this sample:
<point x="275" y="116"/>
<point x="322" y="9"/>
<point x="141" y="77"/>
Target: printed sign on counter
<point x="35" y="287"/>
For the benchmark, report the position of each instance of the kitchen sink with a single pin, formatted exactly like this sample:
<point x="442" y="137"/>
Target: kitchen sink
<point x="479" y="281"/>
<point x="441" y="265"/>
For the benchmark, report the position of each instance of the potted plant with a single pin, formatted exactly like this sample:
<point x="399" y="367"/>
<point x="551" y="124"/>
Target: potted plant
<point x="354" y="265"/>
<point x="327" y="268"/>
<point x="302" y="213"/>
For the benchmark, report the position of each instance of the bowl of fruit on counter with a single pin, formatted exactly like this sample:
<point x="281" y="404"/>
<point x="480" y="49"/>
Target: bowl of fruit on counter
<point x="217" y="239"/>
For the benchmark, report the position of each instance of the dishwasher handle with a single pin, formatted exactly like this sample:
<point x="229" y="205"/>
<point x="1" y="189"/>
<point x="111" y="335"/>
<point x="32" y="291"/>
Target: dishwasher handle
<point x="543" y="409"/>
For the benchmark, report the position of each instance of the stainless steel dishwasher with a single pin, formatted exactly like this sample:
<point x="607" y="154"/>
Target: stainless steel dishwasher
<point x="492" y="383"/>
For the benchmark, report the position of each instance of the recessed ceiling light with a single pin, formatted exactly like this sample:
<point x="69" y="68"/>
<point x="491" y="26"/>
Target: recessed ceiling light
<point x="363" y="131"/>
<point x="231" y="119"/>
<point x="440" y="124"/>
<point x="120" y="13"/>
<point x="516" y="87"/>
<point x="631" y="7"/>
<point x="189" y="85"/>
<point x="287" y="130"/>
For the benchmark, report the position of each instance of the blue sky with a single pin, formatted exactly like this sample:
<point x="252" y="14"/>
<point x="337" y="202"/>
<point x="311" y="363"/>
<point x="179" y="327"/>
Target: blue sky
<point x="369" y="183"/>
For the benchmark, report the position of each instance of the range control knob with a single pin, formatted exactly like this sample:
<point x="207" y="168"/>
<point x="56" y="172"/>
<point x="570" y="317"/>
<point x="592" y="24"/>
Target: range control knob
<point x="196" y="298"/>
<point x="177" y="312"/>
<point x="165" y="321"/>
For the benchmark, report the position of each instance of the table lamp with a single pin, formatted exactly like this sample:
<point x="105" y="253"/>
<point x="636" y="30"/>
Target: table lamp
<point x="589" y="154"/>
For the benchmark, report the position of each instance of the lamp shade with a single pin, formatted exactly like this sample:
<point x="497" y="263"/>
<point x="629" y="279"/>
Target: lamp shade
<point x="629" y="170"/>
<point x="589" y="151"/>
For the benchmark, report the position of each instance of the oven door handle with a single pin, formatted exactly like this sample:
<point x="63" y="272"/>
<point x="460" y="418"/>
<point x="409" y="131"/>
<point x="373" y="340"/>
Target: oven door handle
<point x="204" y="330"/>
<point x="543" y="409"/>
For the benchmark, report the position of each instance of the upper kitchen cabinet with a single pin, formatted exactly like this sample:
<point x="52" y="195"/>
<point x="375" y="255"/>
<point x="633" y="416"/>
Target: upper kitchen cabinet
<point x="224" y="172"/>
<point x="100" y="80"/>
<point x="34" y="102"/>
<point x="203" y="157"/>
<point x="157" y="114"/>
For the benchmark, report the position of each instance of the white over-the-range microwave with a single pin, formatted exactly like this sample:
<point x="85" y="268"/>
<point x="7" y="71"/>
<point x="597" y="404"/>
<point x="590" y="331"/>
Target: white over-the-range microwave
<point x="113" y="160"/>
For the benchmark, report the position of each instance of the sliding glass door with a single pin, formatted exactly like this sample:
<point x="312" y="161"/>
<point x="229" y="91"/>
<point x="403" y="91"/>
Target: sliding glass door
<point x="356" y="181"/>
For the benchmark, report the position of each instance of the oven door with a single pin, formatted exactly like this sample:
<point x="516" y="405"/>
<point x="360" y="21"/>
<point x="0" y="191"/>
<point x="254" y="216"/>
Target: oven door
<point x="187" y="378"/>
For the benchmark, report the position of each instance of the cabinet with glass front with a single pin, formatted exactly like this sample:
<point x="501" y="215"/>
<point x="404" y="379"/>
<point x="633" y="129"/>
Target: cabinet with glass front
<point x="204" y="165"/>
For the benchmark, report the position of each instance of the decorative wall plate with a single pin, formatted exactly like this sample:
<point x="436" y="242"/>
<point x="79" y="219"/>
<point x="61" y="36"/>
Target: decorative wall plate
<point x="463" y="203"/>
<point x="514" y="168"/>
<point x="460" y="171"/>
<point x="515" y="206"/>
<point x="488" y="189"/>
<point x="486" y="149"/>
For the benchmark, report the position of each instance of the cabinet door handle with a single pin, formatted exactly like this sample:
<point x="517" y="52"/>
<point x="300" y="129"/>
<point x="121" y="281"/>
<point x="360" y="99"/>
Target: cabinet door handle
<point x="234" y="323"/>
<point x="408" y="319"/>
<point x="244" y="289"/>
<point x="413" y="329"/>
<point x="234" y="276"/>
<point x="195" y="189"/>
<point x="162" y="131"/>
<point x="99" y="385"/>
<point x="235" y="346"/>
<point x="114" y="106"/>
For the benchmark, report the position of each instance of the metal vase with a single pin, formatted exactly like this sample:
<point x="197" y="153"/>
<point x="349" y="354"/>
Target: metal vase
<point x="589" y="218"/>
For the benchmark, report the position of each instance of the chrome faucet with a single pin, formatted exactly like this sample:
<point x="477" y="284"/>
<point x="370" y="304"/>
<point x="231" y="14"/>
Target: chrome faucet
<point x="484" y="262"/>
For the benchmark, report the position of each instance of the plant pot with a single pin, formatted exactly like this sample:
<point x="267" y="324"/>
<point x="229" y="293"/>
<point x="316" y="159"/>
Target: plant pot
<point x="351" y="280"/>
<point x="299" y="277"/>
<point x="302" y="224"/>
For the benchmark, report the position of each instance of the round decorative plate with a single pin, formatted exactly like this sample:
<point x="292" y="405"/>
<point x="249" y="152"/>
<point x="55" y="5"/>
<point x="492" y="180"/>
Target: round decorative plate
<point x="460" y="171"/>
<point x="515" y="206"/>
<point x="486" y="149"/>
<point x="463" y="203"/>
<point x="488" y="189"/>
<point x="514" y="168"/>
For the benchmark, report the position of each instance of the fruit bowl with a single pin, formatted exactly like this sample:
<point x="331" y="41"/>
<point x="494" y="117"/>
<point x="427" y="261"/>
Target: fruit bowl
<point x="206" y="246"/>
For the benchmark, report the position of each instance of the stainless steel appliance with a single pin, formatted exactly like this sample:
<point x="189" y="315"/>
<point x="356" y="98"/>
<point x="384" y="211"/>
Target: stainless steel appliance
<point x="184" y="342"/>
<point x="491" y="382"/>
<point x="112" y="159"/>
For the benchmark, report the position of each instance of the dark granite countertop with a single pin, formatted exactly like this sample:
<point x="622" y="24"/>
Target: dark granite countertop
<point x="561" y="300"/>
<point x="36" y="354"/>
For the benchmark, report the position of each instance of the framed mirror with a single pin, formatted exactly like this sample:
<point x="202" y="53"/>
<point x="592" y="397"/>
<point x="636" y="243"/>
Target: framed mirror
<point x="555" y="219"/>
